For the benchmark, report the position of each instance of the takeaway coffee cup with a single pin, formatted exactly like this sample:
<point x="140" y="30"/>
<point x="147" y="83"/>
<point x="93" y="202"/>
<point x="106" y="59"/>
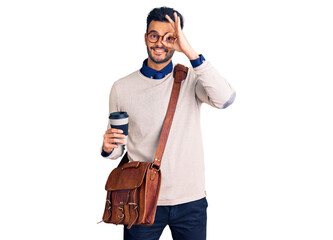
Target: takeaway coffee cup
<point x="119" y="120"/>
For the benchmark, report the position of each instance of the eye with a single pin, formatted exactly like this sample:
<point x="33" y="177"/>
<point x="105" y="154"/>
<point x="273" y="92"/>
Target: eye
<point x="153" y="35"/>
<point x="170" y="39"/>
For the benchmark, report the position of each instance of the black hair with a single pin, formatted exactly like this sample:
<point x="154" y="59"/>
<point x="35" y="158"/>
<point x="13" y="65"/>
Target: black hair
<point x="158" y="14"/>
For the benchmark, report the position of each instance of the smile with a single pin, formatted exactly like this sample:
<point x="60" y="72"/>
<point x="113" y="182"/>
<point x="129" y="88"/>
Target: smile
<point x="159" y="50"/>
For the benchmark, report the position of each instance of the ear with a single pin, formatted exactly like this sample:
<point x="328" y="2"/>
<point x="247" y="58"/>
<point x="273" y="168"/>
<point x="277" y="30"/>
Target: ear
<point x="145" y="37"/>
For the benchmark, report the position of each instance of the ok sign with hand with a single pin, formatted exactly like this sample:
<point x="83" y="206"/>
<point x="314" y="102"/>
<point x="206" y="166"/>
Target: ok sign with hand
<point x="180" y="44"/>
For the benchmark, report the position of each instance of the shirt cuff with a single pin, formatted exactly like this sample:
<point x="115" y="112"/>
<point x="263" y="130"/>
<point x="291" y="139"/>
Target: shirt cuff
<point x="105" y="154"/>
<point x="197" y="62"/>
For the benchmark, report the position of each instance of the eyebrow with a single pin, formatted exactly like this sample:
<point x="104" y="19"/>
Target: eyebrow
<point x="153" y="31"/>
<point x="157" y="32"/>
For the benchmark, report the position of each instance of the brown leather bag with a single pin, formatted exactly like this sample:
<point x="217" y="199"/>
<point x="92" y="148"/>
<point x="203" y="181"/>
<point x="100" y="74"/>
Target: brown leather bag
<point x="133" y="187"/>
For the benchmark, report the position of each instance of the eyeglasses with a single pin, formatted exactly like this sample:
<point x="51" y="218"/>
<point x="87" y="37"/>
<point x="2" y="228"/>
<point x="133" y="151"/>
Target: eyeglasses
<point x="153" y="37"/>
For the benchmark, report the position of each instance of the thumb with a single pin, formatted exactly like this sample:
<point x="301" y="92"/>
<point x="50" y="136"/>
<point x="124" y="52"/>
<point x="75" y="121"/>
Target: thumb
<point x="167" y="45"/>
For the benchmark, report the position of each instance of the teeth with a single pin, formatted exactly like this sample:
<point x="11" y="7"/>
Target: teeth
<point x="160" y="51"/>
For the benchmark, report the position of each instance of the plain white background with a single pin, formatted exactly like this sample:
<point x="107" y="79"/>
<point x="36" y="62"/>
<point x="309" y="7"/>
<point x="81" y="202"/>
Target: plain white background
<point x="268" y="156"/>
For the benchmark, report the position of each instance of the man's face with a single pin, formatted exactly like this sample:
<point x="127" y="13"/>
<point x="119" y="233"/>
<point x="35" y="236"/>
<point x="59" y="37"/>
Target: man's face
<point x="157" y="52"/>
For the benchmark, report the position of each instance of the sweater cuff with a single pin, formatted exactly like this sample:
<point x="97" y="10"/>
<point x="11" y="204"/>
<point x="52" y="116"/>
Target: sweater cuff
<point x="105" y="154"/>
<point x="197" y="62"/>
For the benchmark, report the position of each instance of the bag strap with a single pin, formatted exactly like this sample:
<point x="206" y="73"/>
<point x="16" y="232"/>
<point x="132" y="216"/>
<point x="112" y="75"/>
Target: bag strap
<point x="179" y="74"/>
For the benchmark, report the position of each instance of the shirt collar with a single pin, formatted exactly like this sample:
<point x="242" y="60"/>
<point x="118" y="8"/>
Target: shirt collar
<point x="152" y="73"/>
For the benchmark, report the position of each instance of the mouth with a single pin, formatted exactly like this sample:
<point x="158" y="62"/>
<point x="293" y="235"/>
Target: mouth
<point x="159" y="51"/>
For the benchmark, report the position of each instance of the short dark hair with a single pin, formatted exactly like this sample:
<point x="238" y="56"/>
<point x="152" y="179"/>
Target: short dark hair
<point x="158" y="14"/>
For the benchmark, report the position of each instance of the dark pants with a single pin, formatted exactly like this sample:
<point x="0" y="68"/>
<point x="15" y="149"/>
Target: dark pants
<point x="186" y="221"/>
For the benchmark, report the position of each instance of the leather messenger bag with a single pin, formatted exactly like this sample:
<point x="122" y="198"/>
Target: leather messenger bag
<point x="133" y="187"/>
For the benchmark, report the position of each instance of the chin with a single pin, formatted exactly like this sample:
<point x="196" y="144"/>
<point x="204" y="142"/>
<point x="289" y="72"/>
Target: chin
<point x="160" y="59"/>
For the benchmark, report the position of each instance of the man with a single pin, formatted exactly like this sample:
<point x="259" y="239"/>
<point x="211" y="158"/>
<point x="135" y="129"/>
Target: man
<point x="145" y="95"/>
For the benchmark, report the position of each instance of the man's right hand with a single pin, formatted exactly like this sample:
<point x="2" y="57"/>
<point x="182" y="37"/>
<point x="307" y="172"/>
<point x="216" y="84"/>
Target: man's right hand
<point x="112" y="136"/>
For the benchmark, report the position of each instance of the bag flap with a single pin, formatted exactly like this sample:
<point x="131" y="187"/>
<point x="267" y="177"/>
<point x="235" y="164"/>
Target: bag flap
<point x="128" y="176"/>
<point x="131" y="165"/>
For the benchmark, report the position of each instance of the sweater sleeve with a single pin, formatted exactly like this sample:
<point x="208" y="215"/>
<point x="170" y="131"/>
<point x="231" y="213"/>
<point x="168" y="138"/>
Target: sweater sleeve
<point x="211" y="88"/>
<point x="113" y="107"/>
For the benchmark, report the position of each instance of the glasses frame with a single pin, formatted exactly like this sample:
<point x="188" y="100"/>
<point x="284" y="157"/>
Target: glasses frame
<point x="158" y="36"/>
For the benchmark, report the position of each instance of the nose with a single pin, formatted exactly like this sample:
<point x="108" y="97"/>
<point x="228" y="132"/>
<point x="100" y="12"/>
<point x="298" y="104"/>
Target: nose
<point x="159" y="41"/>
<point x="159" y="44"/>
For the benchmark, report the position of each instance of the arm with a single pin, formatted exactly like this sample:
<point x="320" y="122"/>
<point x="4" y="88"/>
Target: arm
<point x="210" y="88"/>
<point x="111" y="137"/>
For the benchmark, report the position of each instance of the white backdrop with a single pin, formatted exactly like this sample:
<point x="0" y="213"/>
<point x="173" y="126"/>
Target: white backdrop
<point x="268" y="156"/>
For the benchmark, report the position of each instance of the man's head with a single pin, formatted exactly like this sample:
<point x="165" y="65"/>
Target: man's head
<point x="158" y="14"/>
<point x="157" y="27"/>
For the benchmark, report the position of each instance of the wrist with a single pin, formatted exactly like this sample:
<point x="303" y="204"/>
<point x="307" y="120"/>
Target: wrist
<point x="105" y="153"/>
<point x="191" y="54"/>
<point x="108" y="151"/>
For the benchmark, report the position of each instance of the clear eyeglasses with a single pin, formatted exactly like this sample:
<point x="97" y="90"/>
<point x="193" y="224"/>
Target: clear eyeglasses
<point x="153" y="37"/>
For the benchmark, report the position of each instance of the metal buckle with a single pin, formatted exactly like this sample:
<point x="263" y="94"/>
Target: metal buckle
<point x="134" y="204"/>
<point x="157" y="168"/>
<point x="110" y="206"/>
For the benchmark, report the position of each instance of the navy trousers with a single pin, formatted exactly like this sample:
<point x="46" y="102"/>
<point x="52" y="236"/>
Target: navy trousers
<point x="187" y="221"/>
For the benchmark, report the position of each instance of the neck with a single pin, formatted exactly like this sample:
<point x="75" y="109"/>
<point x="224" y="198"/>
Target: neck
<point x="157" y="66"/>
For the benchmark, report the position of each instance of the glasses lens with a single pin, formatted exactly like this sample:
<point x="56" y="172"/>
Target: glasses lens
<point x="153" y="37"/>
<point x="169" y="38"/>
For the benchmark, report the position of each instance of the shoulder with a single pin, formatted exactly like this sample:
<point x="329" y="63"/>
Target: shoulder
<point x="180" y="66"/>
<point x="190" y="76"/>
<point x="127" y="79"/>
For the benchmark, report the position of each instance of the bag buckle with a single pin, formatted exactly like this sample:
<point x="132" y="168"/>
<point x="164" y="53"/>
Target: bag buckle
<point x="135" y="206"/>
<point x="156" y="167"/>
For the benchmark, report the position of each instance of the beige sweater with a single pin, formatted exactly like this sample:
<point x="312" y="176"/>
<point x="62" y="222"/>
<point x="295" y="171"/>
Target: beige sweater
<point x="146" y="101"/>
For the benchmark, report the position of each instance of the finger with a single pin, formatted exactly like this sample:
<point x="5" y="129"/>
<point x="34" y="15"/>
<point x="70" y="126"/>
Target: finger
<point x="179" y="27"/>
<point x="167" y="45"/>
<point x="116" y="140"/>
<point x="108" y="146"/>
<point x="177" y="21"/>
<point x="115" y="135"/>
<point x="171" y="21"/>
<point x="176" y="18"/>
<point x="113" y="141"/>
<point x="114" y="130"/>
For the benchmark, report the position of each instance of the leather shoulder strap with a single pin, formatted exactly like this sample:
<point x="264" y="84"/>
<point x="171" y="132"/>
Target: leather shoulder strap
<point x="179" y="74"/>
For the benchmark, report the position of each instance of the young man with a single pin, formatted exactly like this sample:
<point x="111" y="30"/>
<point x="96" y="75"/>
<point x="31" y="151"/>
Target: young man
<point x="145" y="95"/>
